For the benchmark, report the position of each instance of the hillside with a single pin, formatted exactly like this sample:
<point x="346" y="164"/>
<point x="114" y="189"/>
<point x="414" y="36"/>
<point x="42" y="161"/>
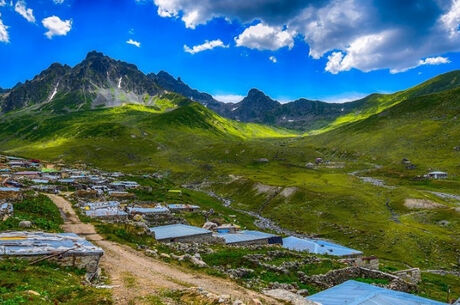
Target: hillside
<point x="424" y="129"/>
<point x="376" y="103"/>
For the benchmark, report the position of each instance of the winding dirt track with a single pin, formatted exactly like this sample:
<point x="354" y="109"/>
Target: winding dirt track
<point x="135" y="275"/>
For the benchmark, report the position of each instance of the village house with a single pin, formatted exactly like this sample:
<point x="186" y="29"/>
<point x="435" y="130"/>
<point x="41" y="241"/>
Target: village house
<point x="10" y="193"/>
<point x="246" y="238"/>
<point x="353" y="292"/>
<point x="121" y="195"/>
<point x="317" y="246"/>
<point x="124" y="185"/>
<point x="107" y="210"/>
<point x="182" y="233"/>
<point x="27" y="175"/>
<point x="66" y="249"/>
<point x="6" y="210"/>
<point x="436" y="175"/>
<point x="147" y="211"/>
<point x="183" y="207"/>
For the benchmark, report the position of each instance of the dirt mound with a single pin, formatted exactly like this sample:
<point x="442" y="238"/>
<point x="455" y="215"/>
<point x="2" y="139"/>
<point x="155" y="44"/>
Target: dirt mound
<point x="422" y="204"/>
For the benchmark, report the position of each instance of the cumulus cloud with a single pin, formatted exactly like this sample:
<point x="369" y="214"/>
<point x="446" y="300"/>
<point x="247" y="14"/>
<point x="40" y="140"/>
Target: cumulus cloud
<point x="264" y="37"/>
<point x="2" y="3"/>
<point x="207" y="45"/>
<point x="434" y="61"/>
<point x="4" y="36"/>
<point x="134" y="43"/>
<point x="273" y="59"/>
<point x="58" y="1"/>
<point x="27" y="13"/>
<point x="56" y="26"/>
<point x="353" y="34"/>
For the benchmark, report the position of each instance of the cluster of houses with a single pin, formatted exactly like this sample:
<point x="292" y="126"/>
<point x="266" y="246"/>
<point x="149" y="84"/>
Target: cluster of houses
<point x="104" y="196"/>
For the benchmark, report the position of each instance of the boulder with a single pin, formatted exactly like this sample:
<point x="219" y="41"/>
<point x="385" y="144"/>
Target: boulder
<point x="25" y="224"/>
<point x="210" y="225"/>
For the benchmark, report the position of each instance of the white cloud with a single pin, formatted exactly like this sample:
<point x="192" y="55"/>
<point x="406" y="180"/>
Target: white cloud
<point x="273" y="59"/>
<point x="207" y="45"/>
<point x="264" y="37"/>
<point x="134" y="43"/>
<point x="451" y="19"/>
<point x="2" y="3"/>
<point x="355" y="34"/>
<point x="430" y="61"/>
<point x="56" y="26"/>
<point x="4" y="36"/>
<point x="58" y="1"/>
<point x="27" y="13"/>
<point x="229" y="98"/>
<point x="434" y="61"/>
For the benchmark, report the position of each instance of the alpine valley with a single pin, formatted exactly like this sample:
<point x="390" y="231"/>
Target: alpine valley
<point x="354" y="173"/>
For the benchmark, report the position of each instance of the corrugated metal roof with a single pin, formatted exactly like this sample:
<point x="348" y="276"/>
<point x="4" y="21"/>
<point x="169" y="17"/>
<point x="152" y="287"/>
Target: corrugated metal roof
<point x="179" y="206"/>
<point x="101" y="204"/>
<point x="177" y="230"/>
<point x="106" y="212"/>
<point x="317" y="246"/>
<point x="357" y="293"/>
<point x="155" y="210"/>
<point x="41" y="243"/>
<point x="9" y="189"/>
<point x="243" y="236"/>
<point x="6" y="207"/>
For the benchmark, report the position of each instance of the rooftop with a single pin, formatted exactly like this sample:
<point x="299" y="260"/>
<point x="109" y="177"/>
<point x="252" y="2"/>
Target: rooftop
<point x="243" y="236"/>
<point x="106" y="212"/>
<point x="41" y="243"/>
<point x="357" y="293"/>
<point x="177" y="230"/>
<point x="155" y="210"/>
<point x="317" y="246"/>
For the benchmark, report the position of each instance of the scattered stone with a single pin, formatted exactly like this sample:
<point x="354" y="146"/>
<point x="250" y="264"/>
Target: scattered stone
<point x="210" y="225"/>
<point x="288" y="296"/>
<point x="165" y="255"/>
<point x="256" y="302"/>
<point x="33" y="292"/>
<point x="237" y="302"/>
<point x="303" y="292"/>
<point x="25" y="224"/>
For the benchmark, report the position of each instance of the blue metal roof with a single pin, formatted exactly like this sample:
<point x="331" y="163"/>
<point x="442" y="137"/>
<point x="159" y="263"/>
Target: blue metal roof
<point x="357" y="293"/>
<point x="9" y="189"/>
<point x="177" y="230"/>
<point x="317" y="246"/>
<point x="41" y="243"/>
<point x="243" y="236"/>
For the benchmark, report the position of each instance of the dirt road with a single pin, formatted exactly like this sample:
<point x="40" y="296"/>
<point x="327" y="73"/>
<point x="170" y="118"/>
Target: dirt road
<point x="134" y="274"/>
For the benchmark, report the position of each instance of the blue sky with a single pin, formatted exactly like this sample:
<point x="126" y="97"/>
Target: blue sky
<point x="326" y="49"/>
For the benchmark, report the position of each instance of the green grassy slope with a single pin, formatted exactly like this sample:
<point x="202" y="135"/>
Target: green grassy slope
<point x="194" y="144"/>
<point x="376" y="103"/>
<point x="424" y="129"/>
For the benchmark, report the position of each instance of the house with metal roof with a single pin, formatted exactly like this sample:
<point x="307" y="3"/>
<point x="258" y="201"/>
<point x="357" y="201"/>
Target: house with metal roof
<point x="248" y="237"/>
<point x="317" y="246"/>
<point x="109" y="213"/>
<point x="437" y="175"/>
<point x="66" y="249"/>
<point x="183" y="207"/>
<point x="357" y="293"/>
<point x="147" y="211"/>
<point x="182" y="233"/>
<point x="6" y="210"/>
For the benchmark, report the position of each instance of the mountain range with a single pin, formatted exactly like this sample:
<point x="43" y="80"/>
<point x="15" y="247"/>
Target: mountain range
<point x="99" y="81"/>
